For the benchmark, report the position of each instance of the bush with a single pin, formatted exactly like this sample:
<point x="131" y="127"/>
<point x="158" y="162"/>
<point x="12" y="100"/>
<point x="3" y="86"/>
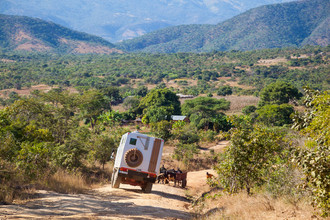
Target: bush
<point x="162" y="129"/>
<point x="249" y="109"/>
<point x="275" y="115"/>
<point x="207" y="136"/>
<point x="185" y="152"/>
<point x="225" y="90"/>
<point x="253" y="154"/>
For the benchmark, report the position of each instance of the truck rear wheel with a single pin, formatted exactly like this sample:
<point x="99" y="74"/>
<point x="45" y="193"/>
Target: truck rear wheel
<point x="115" y="179"/>
<point x="147" y="188"/>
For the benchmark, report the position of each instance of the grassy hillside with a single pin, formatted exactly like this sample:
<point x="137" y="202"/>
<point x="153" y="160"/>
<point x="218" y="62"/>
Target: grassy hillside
<point x="271" y="26"/>
<point x="31" y="34"/>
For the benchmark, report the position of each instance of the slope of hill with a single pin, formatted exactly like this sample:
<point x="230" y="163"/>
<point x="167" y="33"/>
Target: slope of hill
<point x="271" y="26"/>
<point x="117" y="20"/>
<point x="31" y="34"/>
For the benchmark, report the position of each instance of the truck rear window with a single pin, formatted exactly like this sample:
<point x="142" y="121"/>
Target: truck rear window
<point x="132" y="141"/>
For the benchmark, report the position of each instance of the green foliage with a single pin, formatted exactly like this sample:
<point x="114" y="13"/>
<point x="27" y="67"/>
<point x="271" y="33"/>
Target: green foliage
<point x="249" y="109"/>
<point x="275" y="115"/>
<point x="111" y="118"/>
<point x="102" y="71"/>
<point x="33" y="159"/>
<point x="185" y="133"/>
<point x="113" y="94"/>
<point x="207" y="135"/>
<point x="278" y="93"/>
<point x="158" y="105"/>
<point x="162" y="129"/>
<point x="250" y="157"/>
<point x="141" y="91"/>
<point x="155" y="114"/>
<point x="220" y="122"/>
<point x="225" y="90"/>
<point x="70" y="154"/>
<point x="92" y="104"/>
<point x="102" y="147"/>
<point x="185" y="152"/>
<point x="131" y="103"/>
<point x="314" y="159"/>
<point x="204" y="106"/>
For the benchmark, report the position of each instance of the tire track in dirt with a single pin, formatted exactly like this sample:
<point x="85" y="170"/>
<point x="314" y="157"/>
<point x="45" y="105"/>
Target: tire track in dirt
<point x="127" y="202"/>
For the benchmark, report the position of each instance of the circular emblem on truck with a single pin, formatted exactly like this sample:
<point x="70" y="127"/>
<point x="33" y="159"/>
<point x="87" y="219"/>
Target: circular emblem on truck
<point x="133" y="157"/>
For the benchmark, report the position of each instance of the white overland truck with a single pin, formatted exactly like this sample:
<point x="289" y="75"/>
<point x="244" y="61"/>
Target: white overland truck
<point x="137" y="161"/>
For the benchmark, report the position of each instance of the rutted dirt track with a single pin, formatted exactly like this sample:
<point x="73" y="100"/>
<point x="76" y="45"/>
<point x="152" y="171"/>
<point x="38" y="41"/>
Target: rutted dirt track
<point x="127" y="202"/>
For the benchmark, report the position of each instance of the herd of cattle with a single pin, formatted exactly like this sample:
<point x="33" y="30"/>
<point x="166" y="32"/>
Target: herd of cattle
<point x="177" y="176"/>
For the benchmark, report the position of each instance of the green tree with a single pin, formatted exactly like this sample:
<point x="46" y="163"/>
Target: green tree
<point x="111" y="118"/>
<point x="204" y="106"/>
<point x="159" y="104"/>
<point x="225" y="90"/>
<point x="204" y="112"/>
<point x="113" y="93"/>
<point x="278" y="93"/>
<point x="102" y="147"/>
<point x="253" y="151"/>
<point x="185" y="152"/>
<point x="275" y="115"/>
<point x="162" y="129"/>
<point x="314" y="158"/>
<point x="92" y="104"/>
<point x="249" y="109"/>
<point x="131" y="103"/>
<point x="141" y="91"/>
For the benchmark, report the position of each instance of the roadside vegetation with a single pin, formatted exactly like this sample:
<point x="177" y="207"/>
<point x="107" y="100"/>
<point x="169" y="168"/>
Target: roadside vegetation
<point x="62" y="139"/>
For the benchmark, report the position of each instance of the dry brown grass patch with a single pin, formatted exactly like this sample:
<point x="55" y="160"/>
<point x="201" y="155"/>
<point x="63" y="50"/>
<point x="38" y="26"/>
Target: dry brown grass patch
<point x="64" y="182"/>
<point x="259" y="206"/>
<point x="237" y="103"/>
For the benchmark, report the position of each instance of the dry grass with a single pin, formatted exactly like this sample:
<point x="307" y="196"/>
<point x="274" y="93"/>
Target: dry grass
<point x="241" y="206"/>
<point x="25" y="91"/>
<point x="64" y="182"/>
<point x="237" y="103"/>
<point x="270" y="62"/>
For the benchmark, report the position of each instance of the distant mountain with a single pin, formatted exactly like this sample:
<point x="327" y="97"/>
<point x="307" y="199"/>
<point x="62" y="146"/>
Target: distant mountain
<point x="271" y="26"/>
<point x="117" y="20"/>
<point x="31" y="34"/>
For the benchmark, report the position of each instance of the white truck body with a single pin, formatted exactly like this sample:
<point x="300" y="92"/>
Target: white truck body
<point x="137" y="160"/>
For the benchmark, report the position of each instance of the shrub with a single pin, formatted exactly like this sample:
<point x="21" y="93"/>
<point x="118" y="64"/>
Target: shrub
<point x="249" y="109"/>
<point x="162" y="129"/>
<point x="225" y="90"/>
<point x="185" y="152"/>
<point x="251" y="157"/>
<point x="275" y="115"/>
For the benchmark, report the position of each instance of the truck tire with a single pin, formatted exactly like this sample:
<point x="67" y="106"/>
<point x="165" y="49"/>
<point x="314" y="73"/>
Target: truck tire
<point x="147" y="188"/>
<point x="133" y="157"/>
<point x="115" y="180"/>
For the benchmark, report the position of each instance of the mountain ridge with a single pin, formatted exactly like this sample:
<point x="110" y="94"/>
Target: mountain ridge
<point x="270" y="26"/>
<point x="118" y="20"/>
<point x="33" y="34"/>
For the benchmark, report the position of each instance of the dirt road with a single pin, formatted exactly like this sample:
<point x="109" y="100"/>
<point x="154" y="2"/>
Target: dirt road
<point x="127" y="202"/>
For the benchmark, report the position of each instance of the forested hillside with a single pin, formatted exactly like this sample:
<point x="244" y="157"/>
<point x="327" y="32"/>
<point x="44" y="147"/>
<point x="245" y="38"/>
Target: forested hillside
<point x="31" y="34"/>
<point x="116" y="20"/>
<point x="271" y="26"/>
<point x="189" y="73"/>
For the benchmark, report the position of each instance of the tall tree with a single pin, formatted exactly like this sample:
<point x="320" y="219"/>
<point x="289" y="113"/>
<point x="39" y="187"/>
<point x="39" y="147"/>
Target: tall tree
<point x="278" y="93"/>
<point x="164" y="102"/>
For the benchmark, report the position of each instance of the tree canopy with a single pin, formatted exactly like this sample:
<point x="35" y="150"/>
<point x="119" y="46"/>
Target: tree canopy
<point x="278" y="93"/>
